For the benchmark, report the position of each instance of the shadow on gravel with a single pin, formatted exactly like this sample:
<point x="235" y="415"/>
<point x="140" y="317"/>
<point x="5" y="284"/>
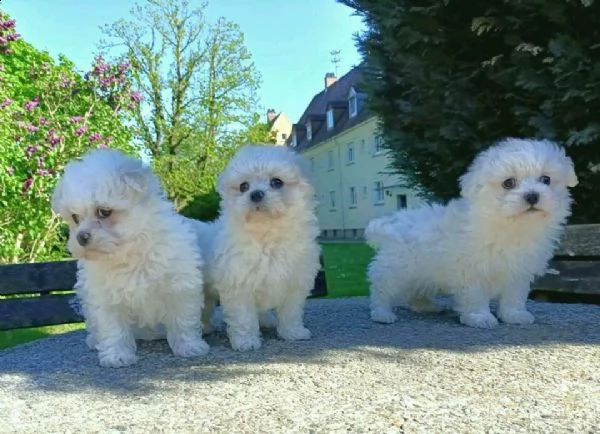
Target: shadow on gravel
<point x="63" y="363"/>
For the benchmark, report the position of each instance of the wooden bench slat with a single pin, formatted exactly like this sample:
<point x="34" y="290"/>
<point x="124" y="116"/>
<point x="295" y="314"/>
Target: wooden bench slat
<point x="37" y="277"/>
<point x="37" y="311"/>
<point x="580" y="240"/>
<point x="582" y="277"/>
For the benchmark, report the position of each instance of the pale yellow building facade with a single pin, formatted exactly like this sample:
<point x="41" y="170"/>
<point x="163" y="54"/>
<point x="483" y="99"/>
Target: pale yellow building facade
<point x="349" y="165"/>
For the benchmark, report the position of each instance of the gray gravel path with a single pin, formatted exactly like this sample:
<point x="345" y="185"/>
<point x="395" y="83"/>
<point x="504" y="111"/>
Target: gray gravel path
<point x="425" y="374"/>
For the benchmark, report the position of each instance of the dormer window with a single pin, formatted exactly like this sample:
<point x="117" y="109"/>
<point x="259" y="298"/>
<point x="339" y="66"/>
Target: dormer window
<point x="352" y="103"/>
<point x="329" y="119"/>
<point x="308" y="131"/>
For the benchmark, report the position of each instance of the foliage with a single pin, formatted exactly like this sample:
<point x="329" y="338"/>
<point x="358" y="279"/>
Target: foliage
<point x="49" y="114"/>
<point x="447" y="78"/>
<point x="199" y="90"/>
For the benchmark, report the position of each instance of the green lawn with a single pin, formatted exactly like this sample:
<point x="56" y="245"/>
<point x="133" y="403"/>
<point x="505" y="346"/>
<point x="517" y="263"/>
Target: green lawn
<point x="345" y="270"/>
<point x="9" y="338"/>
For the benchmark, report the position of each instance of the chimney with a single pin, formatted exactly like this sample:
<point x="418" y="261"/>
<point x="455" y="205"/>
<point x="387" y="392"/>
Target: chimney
<point x="271" y="115"/>
<point x="330" y="78"/>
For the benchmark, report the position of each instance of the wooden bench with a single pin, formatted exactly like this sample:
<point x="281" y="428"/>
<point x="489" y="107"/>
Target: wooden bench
<point x="41" y="294"/>
<point x="574" y="275"/>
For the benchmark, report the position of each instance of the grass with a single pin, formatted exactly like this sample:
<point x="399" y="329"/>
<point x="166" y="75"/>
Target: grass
<point x="345" y="270"/>
<point x="10" y="338"/>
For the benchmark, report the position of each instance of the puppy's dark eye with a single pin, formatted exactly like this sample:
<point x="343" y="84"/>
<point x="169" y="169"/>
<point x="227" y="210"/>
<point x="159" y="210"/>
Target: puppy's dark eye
<point x="103" y="213"/>
<point x="544" y="179"/>
<point x="276" y="183"/>
<point x="244" y="186"/>
<point x="75" y="218"/>
<point x="509" y="183"/>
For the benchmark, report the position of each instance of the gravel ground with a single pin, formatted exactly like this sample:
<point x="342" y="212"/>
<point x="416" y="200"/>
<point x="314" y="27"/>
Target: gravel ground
<point x="425" y="374"/>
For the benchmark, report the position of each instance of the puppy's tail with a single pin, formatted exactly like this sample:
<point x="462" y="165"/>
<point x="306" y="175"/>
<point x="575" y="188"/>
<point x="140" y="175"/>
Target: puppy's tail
<point x="381" y="230"/>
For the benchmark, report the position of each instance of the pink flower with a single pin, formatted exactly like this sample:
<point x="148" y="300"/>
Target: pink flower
<point x="95" y="137"/>
<point x="32" y="104"/>
<point x="43" y="121"/>
<point x="32" y="128"/>
<point x="81" y="130"/>
<point x="6" y="102"/>
<point x="27" y="184"/>
<point x="30" y="150"/>
<point x="136" y="96"/>
<point x="53" y="139"/>
<point x="76" y="119"/>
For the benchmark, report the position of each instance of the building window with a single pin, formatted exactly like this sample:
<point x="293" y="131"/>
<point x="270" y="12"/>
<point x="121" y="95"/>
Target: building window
<point x="350" y="153"/>
<point x="352" y="107"/>
<point x="329" y="119"/>
<point x="378" y="143"/>
<point x="378" y="191"/>
<point x="365" y="190"/>
<point x="312" y="164"/>
<point x="362" y="146"/>
<point x="401" y="202"/>
<point x="308" y="131"/>
<point x="283" y="136"/>
<point x="332" y="199"/>
<point x="352" y="196"/>
<point x="330" y="160"/>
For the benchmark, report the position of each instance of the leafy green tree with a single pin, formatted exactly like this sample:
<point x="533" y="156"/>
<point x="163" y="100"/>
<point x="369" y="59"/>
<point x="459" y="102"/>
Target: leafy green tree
<point x="49" y="114"/>
<point x="448" y="78"/>
<point x="199" y="86"/>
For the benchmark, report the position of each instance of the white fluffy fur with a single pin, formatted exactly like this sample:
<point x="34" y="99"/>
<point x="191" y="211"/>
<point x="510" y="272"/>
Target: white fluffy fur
<point x="141" y="272"/>
<point x="262" y="256"/>
<point x="486" y="244"/>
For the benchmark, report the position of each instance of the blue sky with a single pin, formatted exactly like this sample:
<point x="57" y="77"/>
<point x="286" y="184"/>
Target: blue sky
<point x="290" y="40"/>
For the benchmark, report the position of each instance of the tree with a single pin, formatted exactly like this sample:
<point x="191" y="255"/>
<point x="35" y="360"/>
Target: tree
<point x="49" y="114"/>
<point x="448" y="78"/>
<point x="199" y="89"/>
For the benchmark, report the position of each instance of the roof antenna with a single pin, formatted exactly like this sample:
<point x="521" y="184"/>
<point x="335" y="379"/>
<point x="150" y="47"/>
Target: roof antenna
<point x="335" y="60"/>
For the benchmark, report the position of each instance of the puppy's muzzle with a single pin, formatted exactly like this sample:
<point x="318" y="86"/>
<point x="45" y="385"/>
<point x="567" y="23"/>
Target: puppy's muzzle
<point x="257" y="196"/>
<point x="83" y="238"/>
<point x="532" y="197"/>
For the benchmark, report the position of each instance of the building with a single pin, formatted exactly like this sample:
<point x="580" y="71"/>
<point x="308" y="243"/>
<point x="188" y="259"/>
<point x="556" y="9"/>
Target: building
<point x="340" y="139"/>
<point x="280" y="126"/>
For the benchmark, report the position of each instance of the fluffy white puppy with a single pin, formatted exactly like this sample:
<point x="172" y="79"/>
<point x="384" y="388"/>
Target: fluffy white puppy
<point x="490" y="243"/>
<point x="139" y="262"/>
<point x="262" y="253"/>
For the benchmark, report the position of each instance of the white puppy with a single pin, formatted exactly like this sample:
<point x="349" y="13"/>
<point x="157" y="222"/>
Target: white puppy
<point x="262" y="253"/>
<point x="490" y="243"/>
<point x="139" y="263"/>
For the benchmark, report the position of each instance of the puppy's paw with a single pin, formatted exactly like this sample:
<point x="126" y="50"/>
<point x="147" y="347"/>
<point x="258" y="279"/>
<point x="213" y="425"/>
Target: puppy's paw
<point x="117" y="358"/>
<point x="479" y="320"/>
<point x="190" y="347"/>
<point x="516" y="316"/>
<point x="294" y="333"/>
<point x="245" y="342"/>
<point x="267" y="320"/>
<point x="91" y="341"/>
<point x="383" y="315"/>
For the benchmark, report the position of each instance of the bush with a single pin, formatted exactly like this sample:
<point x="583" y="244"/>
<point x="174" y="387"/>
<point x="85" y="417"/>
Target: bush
<point x="49" y="114"/>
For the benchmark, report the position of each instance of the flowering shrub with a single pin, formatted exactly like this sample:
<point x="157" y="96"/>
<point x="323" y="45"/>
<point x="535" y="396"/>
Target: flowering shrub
<point x="50" y="114"/>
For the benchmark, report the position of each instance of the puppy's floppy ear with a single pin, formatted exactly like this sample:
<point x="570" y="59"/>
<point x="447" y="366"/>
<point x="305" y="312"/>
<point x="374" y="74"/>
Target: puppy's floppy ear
<point x="571" y="176"/>
<point x="139" y="178"/>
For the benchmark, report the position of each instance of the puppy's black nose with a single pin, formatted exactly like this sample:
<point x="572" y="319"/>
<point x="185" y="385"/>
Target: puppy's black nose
<point x="83" y="238"/>
<point x="532" y="197"/>
<point x="257" y="195"/>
